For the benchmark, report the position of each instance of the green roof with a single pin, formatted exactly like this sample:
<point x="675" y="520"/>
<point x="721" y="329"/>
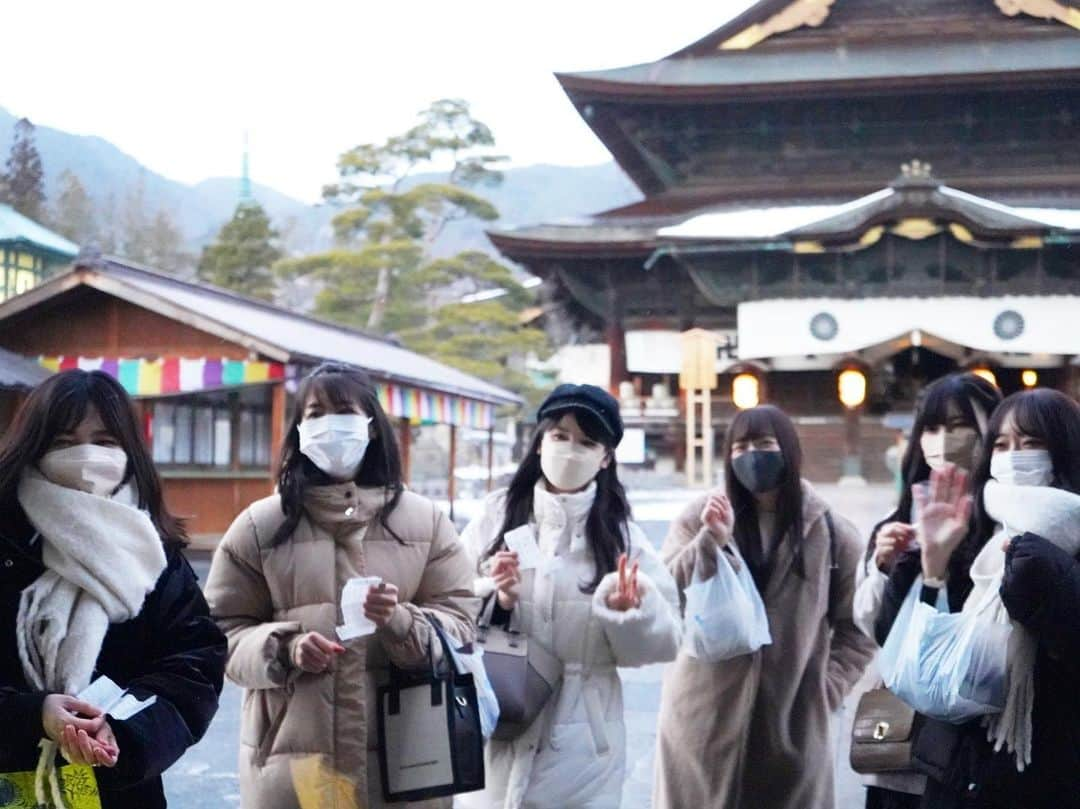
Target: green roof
<point x="14" y="227"/>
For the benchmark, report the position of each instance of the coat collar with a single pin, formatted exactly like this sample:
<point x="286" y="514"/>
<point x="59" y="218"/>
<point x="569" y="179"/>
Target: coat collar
<point x="813" y="510"/>
<point x="343" y="505"/>
<point x="565" y="513"/>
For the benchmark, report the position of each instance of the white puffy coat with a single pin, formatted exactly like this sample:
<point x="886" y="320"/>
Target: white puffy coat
<point x="574" y="754"/>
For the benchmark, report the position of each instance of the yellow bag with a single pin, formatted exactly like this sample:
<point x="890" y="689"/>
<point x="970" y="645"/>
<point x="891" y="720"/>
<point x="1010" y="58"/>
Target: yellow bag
<point x="77" y="782"/>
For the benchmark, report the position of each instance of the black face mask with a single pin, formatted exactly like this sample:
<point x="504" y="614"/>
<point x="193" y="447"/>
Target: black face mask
<point x="759" y="470"/>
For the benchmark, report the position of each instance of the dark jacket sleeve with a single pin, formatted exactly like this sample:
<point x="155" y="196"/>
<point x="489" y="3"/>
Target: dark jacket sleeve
<point x="21" y="711"/>
<point x="183" y="665"/>
<point x="1041" y="590"/>
<point x="905" y="570"/>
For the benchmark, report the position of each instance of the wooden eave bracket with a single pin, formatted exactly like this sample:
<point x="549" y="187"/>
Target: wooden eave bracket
<point x="800" y="13"/>
<point x="1043" y="9"/>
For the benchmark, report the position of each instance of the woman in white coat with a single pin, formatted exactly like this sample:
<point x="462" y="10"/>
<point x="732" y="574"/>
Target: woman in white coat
<point x="600" y="598"/>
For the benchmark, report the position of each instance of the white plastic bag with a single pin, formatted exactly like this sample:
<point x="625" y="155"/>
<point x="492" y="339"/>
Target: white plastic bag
<point x="725" y="616"/>
<point x="949" y="666"/>
<point x="470" y="659"/>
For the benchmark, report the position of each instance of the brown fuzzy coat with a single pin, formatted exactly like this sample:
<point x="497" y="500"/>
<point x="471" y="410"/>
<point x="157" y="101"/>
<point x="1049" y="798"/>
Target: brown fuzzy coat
<point x="315" y="734"/>
<point x="754" y="732"/>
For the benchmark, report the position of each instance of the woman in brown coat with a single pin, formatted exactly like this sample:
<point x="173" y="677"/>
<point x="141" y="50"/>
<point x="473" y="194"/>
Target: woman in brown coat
<point x="309" y="730"/>
<point x="753" y="732"/>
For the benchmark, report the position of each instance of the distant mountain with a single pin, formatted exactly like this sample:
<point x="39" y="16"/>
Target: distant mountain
<point x="528" y="194"/>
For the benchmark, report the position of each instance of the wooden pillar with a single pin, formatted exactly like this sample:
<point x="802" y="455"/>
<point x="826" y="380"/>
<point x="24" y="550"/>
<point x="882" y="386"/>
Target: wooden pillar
<point x="405" y="442"/>
<point x="616" y="338"/>
<point x="451" y="485"/>
<point x="277" y="421"/>
<point x="491" y="459"/>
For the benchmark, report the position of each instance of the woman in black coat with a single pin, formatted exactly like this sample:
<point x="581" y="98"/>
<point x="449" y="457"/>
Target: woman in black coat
<point x="75" y="447"/>
<point x="1040" y="590"/>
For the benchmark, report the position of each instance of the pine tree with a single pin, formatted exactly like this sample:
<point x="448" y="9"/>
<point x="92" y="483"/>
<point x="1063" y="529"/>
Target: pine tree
<point x="242" y="254"/>
<point x="73" y="214"/>
<point x="24" y="178"/>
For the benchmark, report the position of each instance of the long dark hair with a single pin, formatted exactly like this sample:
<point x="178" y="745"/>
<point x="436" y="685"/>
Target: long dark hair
<point x="606" y="525"/>
<point x="57" y="406"/>
<point x="750" y="424"/>
<point x="340" y="385"/>
<point x="965" y="391"/>
<point x="1043" y="413"/>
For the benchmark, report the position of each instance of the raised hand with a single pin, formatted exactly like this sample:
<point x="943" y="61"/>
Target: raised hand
<point x="506" y="571"/>
<point x="719" y="517"/>
<point x="315" y="653"/>
<point x="891" y="539"/>
<point x="944" y="517"/>
<point x="627" y="595"/>
<point x="381" y="603"/>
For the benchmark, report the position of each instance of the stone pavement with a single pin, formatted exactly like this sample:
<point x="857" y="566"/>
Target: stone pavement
<point x="206" y="777"/>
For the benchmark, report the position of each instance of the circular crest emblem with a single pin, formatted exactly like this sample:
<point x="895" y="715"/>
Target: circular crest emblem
<point x="824" y="326"/>
<point x="1009" y="325"/>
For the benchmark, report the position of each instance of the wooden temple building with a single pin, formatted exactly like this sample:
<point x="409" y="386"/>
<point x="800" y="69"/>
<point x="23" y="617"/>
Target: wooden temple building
<point x="855" y="196"/>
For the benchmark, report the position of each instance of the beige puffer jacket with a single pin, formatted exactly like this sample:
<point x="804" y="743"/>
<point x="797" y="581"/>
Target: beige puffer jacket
<point x="310" y="740"/>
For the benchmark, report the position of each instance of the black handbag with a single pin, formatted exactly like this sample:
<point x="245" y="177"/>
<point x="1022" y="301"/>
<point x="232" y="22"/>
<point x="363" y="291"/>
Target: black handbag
<point x="523" y="673"/>
<point x="430" y="743"/>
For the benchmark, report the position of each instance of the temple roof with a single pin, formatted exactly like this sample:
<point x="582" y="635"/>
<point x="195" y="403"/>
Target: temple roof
<point x="754" y="72"/>
<point x="907" y="198"/>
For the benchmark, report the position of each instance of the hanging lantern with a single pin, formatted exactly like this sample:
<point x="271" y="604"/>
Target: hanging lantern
<point x="745" y="391"/>
<point x="1030" y="378"/>
<point x="851" y="386"/>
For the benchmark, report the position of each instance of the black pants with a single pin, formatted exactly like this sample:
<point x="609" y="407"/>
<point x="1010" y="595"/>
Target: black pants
<point x="881" y="798"/>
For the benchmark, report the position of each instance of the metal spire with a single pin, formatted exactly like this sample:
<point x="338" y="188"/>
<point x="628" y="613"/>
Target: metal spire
<point x="245" y="176"/>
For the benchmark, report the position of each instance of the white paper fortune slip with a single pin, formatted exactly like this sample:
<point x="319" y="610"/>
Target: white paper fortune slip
<point x="103" y="693"/>
<point x="522" y="541"/>
<point x="353" y="596"/>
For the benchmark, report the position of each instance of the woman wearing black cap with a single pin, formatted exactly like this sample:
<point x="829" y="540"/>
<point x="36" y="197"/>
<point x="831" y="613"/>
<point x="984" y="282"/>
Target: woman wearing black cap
<point x="598" y="598"/>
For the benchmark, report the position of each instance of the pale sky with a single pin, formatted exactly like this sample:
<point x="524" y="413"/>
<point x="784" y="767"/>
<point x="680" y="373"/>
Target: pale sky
<point x="176" y="84"/>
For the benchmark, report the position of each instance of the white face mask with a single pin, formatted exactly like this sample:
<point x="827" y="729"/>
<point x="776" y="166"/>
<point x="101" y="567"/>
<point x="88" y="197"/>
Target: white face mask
<point x="336" y="443"/>
<point x="87" y="467"/>
<point x="567" y="465"/>
<point x="1022" y="467"/>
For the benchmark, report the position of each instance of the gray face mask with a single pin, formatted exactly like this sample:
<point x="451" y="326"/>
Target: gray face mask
<point x="760" y="470"/>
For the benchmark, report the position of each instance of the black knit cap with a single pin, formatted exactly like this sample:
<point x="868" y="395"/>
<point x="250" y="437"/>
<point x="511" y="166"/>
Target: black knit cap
<point x="589" y="398"/>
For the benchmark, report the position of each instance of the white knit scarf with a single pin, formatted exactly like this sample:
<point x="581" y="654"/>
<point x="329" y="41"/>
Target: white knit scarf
<point x="102" y="557"/>
<point x="1054" y="515"/>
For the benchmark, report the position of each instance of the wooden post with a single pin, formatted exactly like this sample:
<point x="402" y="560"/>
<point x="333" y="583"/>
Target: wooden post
<point x="405" y="440"/>
<point x="616" y="339"/>
<point x="277" y="421"/>
<point x="451" y="485"/>
<point x="491" y="458"/>
<point x="697" y="377"/>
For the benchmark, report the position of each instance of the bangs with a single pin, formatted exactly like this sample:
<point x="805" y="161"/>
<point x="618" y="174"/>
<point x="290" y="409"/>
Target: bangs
<point x="935" y="407"/>
<point x="339" y="390"/>
<point x="589" y="423"/>
<point x="1028" y="416"/>
<point x="752" y="424"/>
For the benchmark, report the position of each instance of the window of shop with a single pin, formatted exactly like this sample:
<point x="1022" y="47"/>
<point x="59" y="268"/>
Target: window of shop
<point x="219" y="430"/>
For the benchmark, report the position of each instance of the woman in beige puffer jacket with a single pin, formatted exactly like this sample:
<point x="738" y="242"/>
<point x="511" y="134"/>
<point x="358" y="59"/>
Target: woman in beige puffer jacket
<point x="309" y="730"/>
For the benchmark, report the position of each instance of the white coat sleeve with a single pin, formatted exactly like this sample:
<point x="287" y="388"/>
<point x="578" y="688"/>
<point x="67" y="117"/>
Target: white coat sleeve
<point x="652" y="631"/>
<point x="477" y="537"/>
<point x="869" y="595"/>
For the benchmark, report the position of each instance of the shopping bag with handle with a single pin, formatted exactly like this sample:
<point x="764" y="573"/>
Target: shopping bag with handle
<point x="725" y="616"/>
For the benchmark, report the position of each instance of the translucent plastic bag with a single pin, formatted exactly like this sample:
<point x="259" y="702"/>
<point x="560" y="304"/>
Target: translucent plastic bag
<point x="470" y="659"/>
<point x="725" y="616"/>
<point x="949" y="666"/>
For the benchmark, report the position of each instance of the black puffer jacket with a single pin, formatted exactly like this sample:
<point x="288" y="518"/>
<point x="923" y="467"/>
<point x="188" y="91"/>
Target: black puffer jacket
<point x="1041" y="590"/>
<point x="172" y="650"/>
